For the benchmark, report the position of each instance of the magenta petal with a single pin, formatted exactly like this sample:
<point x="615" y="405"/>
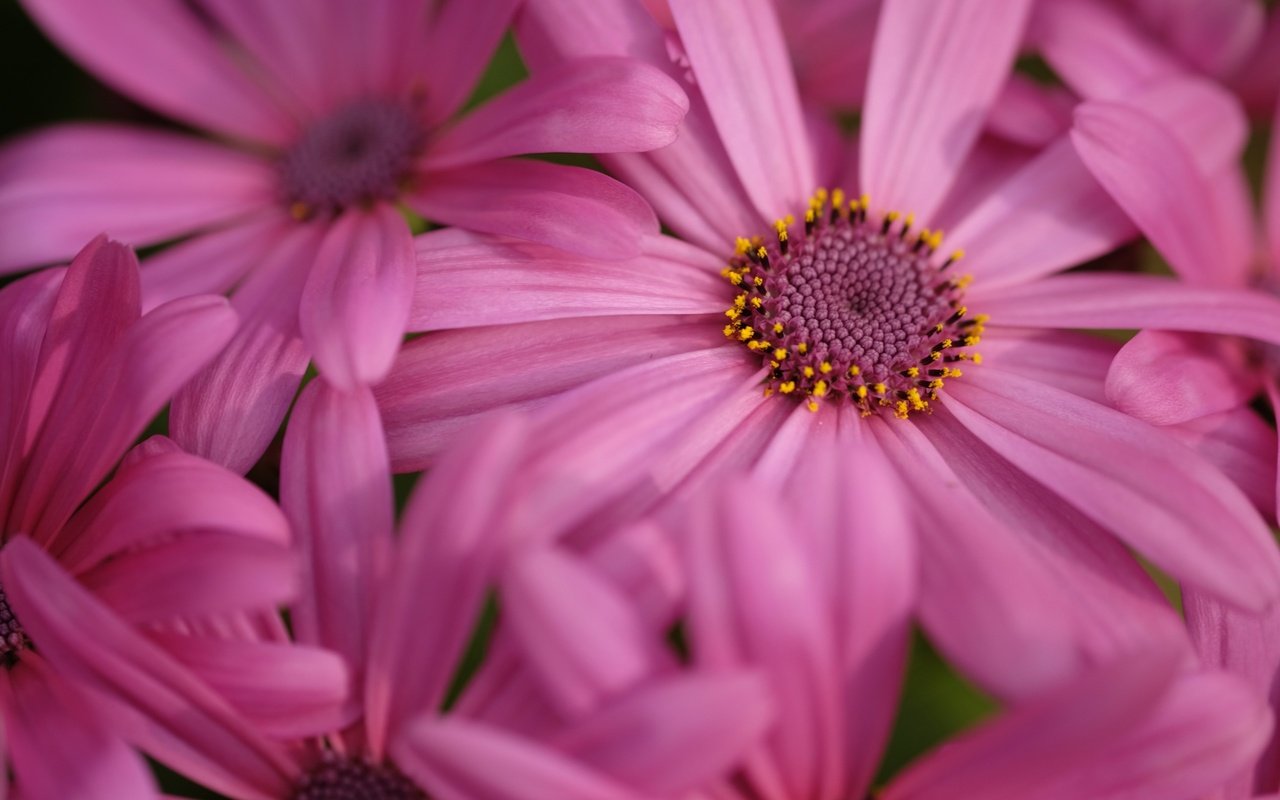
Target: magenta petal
<point x="172" y="716"/>
<point x="592" y="105"/>
<point x="584" y="639"/>
<point x="740" y="62"/>
<point x="200" y="83"/>
<point x="1129" y="477"/>
<point x="675" y="735"/>
<point x="457" y="272"/>
<point x="1204" y="117"/>
<point x="1242" y="446"/>
<point x="936" y="68"/>
<point x="459" y="760"/>
<point x="1165" y="378"/>
<point x="58" y="748"/>
<point x="1271" y="201"/>
<point x="335" y="485"/>
<point x="569" y="208"/>
<point x="356" y="302"/>
<point x="459" y="44"/>
<point x="1215" y="35"/>
<point x="445" y="560"/>
<point x="1029" y="113"/>
<point x="212" y="262"/>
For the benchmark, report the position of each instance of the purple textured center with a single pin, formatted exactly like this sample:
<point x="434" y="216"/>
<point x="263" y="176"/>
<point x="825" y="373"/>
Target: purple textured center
<point x="13" y="640"/>
<point x="360" y="154"/>
<point x="338" y="778"/>
<point x="846" y="307"/>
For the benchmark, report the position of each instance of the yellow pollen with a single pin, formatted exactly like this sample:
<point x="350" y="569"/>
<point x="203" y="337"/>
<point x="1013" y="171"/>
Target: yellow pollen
<point x="813" y="405"/>
<point x="742" y="245"/>
<point x="777" y="327"/>
<point x="825" y="367"/>
<point x="900" y="410"/>
<point x="746" y="333"/>
<point x="861" y="391"/>
<point x="728" y="330"/>
<point x="780" y="354"/>
<point x="820" y="389"/>
<point x="787" y="387"/>
<point x="808" y="372"/>
<point x="803" y="347"/>
<point x="880" y="388"/>
<point x="855" y="370"/>
<point x="977" y="358"/>
<point x="914" y="372"/>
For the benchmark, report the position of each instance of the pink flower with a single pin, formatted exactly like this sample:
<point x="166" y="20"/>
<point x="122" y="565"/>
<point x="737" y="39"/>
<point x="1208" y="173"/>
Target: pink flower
<point x="1027" y="489"/>
<point x="116" y="577"/>
<point x="334" y="120"/>
<point x="824" y="612"/>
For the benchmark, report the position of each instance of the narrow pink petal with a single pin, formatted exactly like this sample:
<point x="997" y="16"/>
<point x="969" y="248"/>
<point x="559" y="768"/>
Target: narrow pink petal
<point x="200" y="83"/>
<point x="442" y="381"/>
<point x="551" y="31"/>
<point x="740" y="62"/>
<point x="356" y="302"/>
<point x="754" y="603"/>
<point x="291" y="692"/>
<point x="1242" y="446"/>
<point x="1029" y="113"/>
<point x="1149" y="174"/>
<point x="1165" y="378"/>
<point x="1096" y="49"/>
<point x="830" y="45"/>
<point x="1215" y="35"/>
<point x="1271" y="199"/>
<point x="62" y="186"/>
<point x="195" y="576"/>
<point x="460" y="760"/>
<point x="643" y="562"/>
<point x="584" y="638"/>
<point x="1026" y="751"/>
<point x="1074" y="362"/>
<point x="444" y="562"/>
<point x="212" y="262"/>
<point x="58" y="748"/>
<point x="459" y="44"/>
<point x="676" y="735"/>
<point x="232" y="410"/>
<point x="93" y="423"/>
<point x="1084" y="300"/>
<point x="570" y="208"/>
<point x="335" y="485"/>
<point x="457" y="272"/>
<point x="1257" y="81"/>
<point x="170" y="715"/>
<point x="1148" y="490"/>
<point x="1207" y="119"/>
<point x="152" y="500"/>
<point x="936" y="68"/>
<point x="591" y="105"/>
<point x="1049" y="215"/>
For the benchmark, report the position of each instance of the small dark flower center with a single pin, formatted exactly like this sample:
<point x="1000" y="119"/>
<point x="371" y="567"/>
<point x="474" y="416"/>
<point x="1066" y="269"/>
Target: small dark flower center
<point x="358" y="155"/>
<point x="13" y="640"/>
<point x="852" y="309"/>
<point x="341" y="778"/>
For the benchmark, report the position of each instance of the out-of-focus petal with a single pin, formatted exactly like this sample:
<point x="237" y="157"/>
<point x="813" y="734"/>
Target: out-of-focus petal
<point x="1165" y="378"/>
<point x="212" y="262"/>
<point x="459" y="43"/>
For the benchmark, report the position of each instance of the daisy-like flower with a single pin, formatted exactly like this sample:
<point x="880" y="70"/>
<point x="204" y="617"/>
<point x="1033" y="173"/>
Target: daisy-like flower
<point x="170" y="541"/>
<point x="400" y="611"/>
<point x="327" y="123"/>
<point x="841" y="317"/>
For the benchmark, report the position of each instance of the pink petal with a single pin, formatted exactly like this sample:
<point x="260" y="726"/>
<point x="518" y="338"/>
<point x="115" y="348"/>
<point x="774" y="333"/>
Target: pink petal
<point x="171" y="715"/>
<point x="1096" y="50"/>
<point x="64" y="185"/>
<point x="443" y="380"/>
<point x="356" y="302"/>
<point x="936" y="68"/>
<point x="212" y="262"/>
<point x="1091" y="300"/>
<point x="459" y="43"/>
<point x="585" y="640"/>
<point x="1029" y="113"/>
<point x="1025" y="752"/>
<point x="1242" y="446"/>
<point x="200" y="84"/>
<point x="1148" y="173"/>
<point x="675" y="735"/>
<point x="232" y="410"/>
<point x="1204" y="117"/>
<point x="1049" y="215"/>
<point x="1165" y="378"/>
<point x="570" y="208"/>
<point x="1215" y="35"/>
<point x="1074" y="362"/>
<point x="335" y="485"/>
<point x="1271" y="200"/>
<point x="444" y="562"/>
<point x="592" y="105"/>
<point x="153" y="500"/>
<point x="291" y="692"/>
<point x="58" y="748"/>
<point x="457" y="272"/>
<point x="459" y="760"/>
<point x="1149" y="491"/>
<point x="96" y="418"/>
<point x="740" y="61"/>
<point x="830" y="45"/>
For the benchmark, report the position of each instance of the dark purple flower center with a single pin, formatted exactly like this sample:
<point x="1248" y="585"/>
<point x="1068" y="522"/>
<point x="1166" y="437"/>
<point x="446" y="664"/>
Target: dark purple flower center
<point x="852" y="309"/>
<point x="13" y="640"/>
<point x="340" y="778"/>
<point x="361" y="154"/>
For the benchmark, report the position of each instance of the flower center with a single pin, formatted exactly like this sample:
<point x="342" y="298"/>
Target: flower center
<point x="340" y="778"/>
<point x="852" y="309"/>
<point x="358" y="155"/>
<point x="13" y="640"/>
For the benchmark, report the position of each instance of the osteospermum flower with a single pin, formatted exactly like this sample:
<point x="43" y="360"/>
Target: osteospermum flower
<point x="168" y="543"/>
<point x="400" y="610"/>
<point x="333" y="121"/>
<point x="842" y="316"/>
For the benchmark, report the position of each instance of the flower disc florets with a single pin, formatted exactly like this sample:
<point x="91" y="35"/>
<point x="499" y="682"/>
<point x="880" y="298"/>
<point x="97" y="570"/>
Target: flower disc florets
<point x="13" y="640"/>
<point x="340" y="778"/>
<point x="852" y="308"/>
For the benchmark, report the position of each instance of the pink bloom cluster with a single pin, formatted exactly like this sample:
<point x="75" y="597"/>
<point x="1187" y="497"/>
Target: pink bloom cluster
<point x="868" y="319"/>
